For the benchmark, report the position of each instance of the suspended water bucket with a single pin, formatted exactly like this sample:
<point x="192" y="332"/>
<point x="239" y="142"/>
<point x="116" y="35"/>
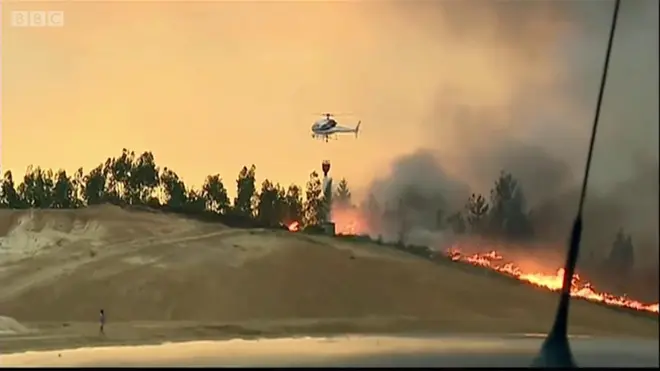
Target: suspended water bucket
<point x="325" y="165"/>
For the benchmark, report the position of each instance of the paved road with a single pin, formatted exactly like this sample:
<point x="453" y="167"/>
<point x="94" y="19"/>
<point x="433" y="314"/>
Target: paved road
<point x="357" y="351"/>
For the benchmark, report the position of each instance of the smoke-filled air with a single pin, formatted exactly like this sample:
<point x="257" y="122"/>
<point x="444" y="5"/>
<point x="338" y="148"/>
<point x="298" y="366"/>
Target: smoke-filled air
<point x="515" y="91"/>
<point x="475" y="122"/>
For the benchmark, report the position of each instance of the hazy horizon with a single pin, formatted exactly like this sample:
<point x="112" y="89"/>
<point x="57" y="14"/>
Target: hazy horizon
<point x="211" y="87"/>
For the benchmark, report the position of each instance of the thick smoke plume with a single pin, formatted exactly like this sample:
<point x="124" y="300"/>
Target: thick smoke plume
<point x="517" y="92"/>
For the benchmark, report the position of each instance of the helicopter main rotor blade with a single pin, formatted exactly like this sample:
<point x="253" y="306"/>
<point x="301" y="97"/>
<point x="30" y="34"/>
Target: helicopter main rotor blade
<point x="332" y="114"/>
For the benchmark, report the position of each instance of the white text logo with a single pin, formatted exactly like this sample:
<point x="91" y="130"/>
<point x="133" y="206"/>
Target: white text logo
<point x="36" y="18"/>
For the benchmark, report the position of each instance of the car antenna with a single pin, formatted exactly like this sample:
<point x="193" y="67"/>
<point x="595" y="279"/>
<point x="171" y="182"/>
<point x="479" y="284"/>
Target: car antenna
<point x="556" y="351"/>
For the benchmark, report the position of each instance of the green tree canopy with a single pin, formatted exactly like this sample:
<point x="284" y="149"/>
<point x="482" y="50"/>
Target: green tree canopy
<point x="476" y="213"/>
<point x="37" y="188"/>
<point x="271" y="204"/>
<point x="508" y="215"/>
<point x="176" y="195"/>
<point x="10" y="197"/>
<point x="245" y="192"/>
<point x="215" y="194"/>
<point x="129" y="179"/>
<point x="293" y="205"/>
<point x="313" y="207"/>
<point x="342" y="197"/>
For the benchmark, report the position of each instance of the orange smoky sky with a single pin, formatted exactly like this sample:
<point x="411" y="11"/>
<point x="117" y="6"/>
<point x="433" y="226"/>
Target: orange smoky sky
<point x="212" y="86"/>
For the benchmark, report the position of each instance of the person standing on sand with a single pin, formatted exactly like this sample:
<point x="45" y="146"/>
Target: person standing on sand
<point x="102" y="322"/>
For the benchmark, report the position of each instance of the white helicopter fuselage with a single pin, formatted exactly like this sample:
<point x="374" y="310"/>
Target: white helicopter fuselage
<point x="326" y="127"/>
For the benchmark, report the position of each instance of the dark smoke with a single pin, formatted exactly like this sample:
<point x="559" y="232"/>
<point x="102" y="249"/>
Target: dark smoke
<point x="526" y="106"/>
<point x="413" y="191"/>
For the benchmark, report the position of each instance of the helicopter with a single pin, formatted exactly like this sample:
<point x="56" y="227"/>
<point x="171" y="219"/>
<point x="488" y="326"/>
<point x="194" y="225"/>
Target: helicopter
<point x="327" y="127"/>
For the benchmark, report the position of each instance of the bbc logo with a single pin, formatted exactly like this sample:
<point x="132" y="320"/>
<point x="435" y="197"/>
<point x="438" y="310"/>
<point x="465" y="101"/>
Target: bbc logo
<point x="36" y="18"/>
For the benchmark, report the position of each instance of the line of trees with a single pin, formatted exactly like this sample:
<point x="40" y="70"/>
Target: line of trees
<point x="504" y="215"/>
<point x="136" y="180"/>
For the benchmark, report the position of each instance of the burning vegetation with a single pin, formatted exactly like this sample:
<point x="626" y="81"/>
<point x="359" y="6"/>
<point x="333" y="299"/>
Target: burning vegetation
<point x="293" y="227"/>
<point x="579" y="288"/>
<point x="396" y="215"/>
<point x="350" y="221"/>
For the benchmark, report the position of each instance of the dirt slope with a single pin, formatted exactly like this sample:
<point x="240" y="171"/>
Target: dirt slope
<point x="62" y="266"/>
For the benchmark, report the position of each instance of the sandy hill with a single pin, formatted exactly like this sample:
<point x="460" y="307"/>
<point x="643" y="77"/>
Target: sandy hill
<point x="62" y="266"/>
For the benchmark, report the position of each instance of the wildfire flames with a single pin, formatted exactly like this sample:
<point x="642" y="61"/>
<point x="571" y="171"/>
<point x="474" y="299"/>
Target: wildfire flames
<point x="348" y="221"/>
<point x="579" y="288"/>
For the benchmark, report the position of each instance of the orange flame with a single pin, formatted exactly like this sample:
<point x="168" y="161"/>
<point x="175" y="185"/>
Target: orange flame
<point x="293" y="227"/>
<point x="579" y="288"/>
<point x="348" y="221"/>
